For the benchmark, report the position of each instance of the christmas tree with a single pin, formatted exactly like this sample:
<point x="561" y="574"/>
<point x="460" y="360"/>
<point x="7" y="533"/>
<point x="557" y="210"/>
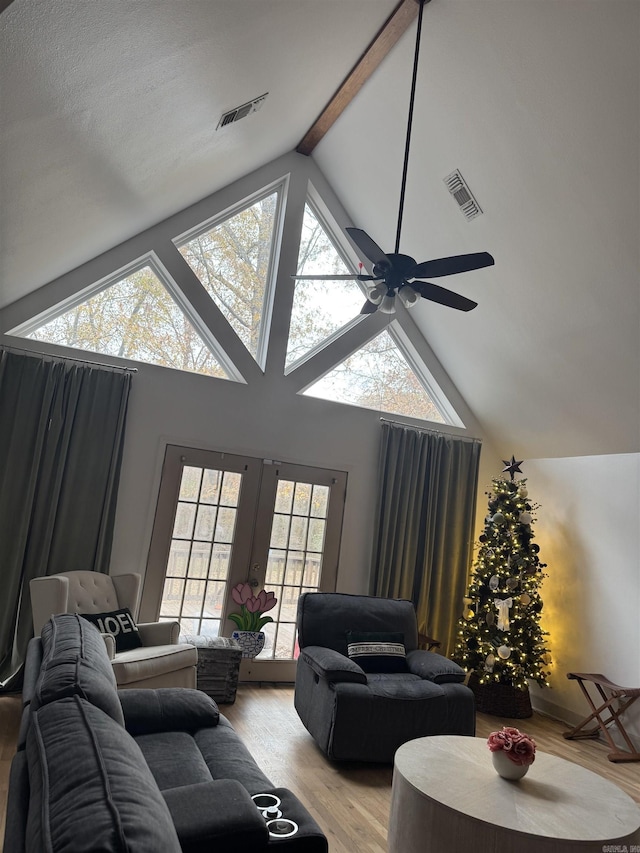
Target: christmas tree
<point x="500" y="641"/>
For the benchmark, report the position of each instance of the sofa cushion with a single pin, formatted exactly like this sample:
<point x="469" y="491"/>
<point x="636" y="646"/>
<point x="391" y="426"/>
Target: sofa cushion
<point x="174" y="759"/>
<point x="152" y="661"/>
<point x="90" y="786"/>
<point x="177" y="709"/>
<point x="377" y="651"/>
<point x="227" y="757"/>
<point x="120" y="625"/>
<point x="75" y="663"/>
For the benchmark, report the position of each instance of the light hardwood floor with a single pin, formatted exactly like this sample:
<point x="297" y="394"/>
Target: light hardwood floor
<point x="349" y="801"/>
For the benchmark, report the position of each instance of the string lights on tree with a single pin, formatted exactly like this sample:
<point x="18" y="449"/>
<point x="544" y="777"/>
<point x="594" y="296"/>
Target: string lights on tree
<point x="500" y="639"/>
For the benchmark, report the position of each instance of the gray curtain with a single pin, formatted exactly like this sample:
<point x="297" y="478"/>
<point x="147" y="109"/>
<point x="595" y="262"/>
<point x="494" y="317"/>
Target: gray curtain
<point x="61" y="437"/>
<point x="423" y="540"/>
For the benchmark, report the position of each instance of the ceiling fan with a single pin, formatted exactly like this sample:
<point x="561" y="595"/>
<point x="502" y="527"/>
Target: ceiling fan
<point x="396" y="274"/>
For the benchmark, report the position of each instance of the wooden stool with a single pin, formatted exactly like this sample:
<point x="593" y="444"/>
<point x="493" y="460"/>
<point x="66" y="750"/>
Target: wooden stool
<point x="612" y="694"/>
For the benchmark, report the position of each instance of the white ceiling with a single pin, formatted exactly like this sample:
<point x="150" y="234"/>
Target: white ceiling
<point x="108" y="117"/>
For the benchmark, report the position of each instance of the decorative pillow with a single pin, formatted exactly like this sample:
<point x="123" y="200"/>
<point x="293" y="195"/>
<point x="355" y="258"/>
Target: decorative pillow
<point x="121" y="626"/>
<point x="377" y="651"/>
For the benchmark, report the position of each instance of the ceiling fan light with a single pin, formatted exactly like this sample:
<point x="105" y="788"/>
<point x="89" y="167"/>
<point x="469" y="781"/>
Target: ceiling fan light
<point x="388" y="305"/>
<point x="408" y="296"/>
<point x="376" y="294"/>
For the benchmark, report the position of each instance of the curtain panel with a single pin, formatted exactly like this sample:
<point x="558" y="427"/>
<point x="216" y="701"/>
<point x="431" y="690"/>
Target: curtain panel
<point x="423" y="538"/>
<point x="61" y="438"/>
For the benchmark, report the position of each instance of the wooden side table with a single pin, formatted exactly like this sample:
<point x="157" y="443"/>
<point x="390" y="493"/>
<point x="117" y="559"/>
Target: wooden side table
<point x="446" y="796"/>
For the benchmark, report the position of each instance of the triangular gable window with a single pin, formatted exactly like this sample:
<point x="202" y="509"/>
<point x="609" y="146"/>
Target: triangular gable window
<point x="234" y="260"/>
<point x="378" y="376"/>
<point x="320" y="308"/>
<point x="136" y="318"/>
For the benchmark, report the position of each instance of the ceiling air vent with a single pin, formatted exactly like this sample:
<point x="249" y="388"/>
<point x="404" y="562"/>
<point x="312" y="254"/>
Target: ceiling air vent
<point x="458" y="188"/>
<point x="240" y="112"/>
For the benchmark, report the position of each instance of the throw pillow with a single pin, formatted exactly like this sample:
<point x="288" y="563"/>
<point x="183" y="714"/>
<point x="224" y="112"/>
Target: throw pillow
<point x="377" y="651"/>
<point x="121" y="626"/>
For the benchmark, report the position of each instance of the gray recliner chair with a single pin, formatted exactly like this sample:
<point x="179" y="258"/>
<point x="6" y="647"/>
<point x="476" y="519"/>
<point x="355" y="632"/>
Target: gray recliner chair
<point x="159" y="662"/>
<point x="358" y="715"/>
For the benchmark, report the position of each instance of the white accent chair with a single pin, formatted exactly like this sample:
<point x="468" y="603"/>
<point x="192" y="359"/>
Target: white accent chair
<point x="160" y="662"/>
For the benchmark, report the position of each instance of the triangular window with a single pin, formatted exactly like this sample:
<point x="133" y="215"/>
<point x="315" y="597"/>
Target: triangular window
<point x="320" y="308"/>
<point x="234" y="261"/>
<point x="378" y="376"/>
<point x="136" y="318"/>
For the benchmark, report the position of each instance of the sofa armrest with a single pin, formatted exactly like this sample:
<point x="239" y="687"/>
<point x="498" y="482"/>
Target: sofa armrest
<point x="217" y="815"/>
<point x="434" y="667"/>
<point x="331" y="665"/>
<point x="167" y="709"/>
<point x="159" y="633"/>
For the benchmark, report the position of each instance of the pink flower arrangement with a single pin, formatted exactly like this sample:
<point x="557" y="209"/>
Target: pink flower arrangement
<point x="519" y="747"/>
<point x="252" y="607"/>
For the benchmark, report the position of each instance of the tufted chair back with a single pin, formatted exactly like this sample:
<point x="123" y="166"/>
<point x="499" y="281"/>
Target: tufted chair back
<point x="82" y="592"/>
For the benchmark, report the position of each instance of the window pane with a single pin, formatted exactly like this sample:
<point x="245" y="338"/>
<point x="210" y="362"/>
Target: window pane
<point x="284" y="496"/>
<point x="378" y="377"/>
<point x="285" y="640"/>
<point x="190" y="483"/>
<point x="178" y="558"/>
<point x="226" y="525"/>
<point x="199" y="562"/>
<point x="295" y="569"/>
<point x="315" y="540"/>
<point x="320" y="501"/>
<point x="232" y="262"/>
<point x="280" y="531"/>
<point x="185" y="516"/>
<point x="298" y="537"/>
<point x="172" y="597"/>
<point x="205" y="522"/>
<point x="302" y="499"/>
<point x="230" y="489"/>
<point x="193" y="598"/>
<point x="214" y="599"/>
<point x="312" y="567"/>
<point x="220" y="558"/>
<point x="210" y="628"/>
<point x="275" y="567"/>
<point x="210" y="486"/>
<point x="320" y="308"/>
<point x="135" y="318"/>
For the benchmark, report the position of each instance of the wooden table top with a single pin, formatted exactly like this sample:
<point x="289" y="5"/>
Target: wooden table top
<point x="556" y="799"/>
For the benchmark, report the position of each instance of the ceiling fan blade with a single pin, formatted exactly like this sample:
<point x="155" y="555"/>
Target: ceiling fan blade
<point x="443" y="296"/>
<point x="450" y="266"/>
<point x="367" y="246"/>
<point x="353" y="277"/>
<point x="368" y="308"/>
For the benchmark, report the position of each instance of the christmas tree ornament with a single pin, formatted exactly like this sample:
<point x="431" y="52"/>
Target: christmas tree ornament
<point x="512" y="467"/>
<point x="525" y="518"/>
<point x="525" y="598"/>
<point x="489" y="663"/>
<point x="498" y="518"/>
<point x="522" y="491"/>
<point x="504" y="652"/>
<point x="490" y="618"/>
<point x="512" y="583"/>
<point x="494" y="582"/>
<point x="503" y="605"/>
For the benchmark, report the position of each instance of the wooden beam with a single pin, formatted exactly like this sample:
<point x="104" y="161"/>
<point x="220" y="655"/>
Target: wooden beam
<point x="396" y="24"/>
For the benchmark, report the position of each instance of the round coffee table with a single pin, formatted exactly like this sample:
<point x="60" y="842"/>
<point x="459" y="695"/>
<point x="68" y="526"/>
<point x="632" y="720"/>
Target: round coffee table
<point x="446" y="796"/>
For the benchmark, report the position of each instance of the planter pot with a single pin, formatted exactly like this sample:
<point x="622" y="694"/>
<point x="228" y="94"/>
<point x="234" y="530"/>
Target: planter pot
<point x="251" y="642"/>
<point x="506" y="768"/>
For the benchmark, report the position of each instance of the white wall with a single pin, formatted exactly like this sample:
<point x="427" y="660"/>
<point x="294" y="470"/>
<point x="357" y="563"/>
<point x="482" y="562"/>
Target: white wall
<point x="588" y="529"/>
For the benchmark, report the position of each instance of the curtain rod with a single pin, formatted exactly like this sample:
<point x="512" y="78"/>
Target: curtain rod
<point x="430" y="429"/>
<point x="68" y="358"/>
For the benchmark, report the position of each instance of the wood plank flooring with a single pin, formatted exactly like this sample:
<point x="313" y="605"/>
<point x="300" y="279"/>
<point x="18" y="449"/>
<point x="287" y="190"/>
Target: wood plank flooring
<point x="349" y="801"/>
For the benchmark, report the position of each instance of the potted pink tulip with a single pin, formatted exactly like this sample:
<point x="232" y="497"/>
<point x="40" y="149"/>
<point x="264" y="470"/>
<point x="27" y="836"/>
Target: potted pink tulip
<point x="512" y="752"/>
<point x="251" y="620"/>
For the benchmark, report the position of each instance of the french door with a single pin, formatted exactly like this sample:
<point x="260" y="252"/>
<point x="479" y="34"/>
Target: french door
<point x="223" y="519"/>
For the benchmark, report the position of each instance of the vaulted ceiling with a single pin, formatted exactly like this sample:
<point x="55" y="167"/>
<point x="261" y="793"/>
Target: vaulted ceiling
<point x="109" y="113"/>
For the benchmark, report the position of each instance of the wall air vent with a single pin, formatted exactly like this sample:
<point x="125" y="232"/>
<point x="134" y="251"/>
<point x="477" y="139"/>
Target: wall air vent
<point x="240" y="112"/>
<point x="458" y="188"/>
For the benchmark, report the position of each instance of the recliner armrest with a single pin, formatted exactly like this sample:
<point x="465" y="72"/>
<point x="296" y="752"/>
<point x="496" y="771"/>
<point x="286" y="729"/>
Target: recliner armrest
<point x="331" y="665"/>
<point x="110" y="645"/>
<point x="167" y="709"/>
<point x="159" y="633"/>
<point x="216" y="815"/>
<point x="434" y="667"/>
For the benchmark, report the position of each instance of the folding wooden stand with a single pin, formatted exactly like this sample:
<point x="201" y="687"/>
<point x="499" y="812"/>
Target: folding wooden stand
<point x="615" y="701"/>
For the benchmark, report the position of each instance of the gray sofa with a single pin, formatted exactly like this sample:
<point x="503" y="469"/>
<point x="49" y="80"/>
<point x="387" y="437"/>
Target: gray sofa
<point x="358" y="715"/>
<point x="138" y="770"/>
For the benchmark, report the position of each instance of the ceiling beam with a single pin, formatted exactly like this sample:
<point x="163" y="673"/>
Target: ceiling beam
<point x="396" y="24"/>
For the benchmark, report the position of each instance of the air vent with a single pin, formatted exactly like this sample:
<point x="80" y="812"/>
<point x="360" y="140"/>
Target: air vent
<point x="458" y="188"/>
<point x="242" y="111"/>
